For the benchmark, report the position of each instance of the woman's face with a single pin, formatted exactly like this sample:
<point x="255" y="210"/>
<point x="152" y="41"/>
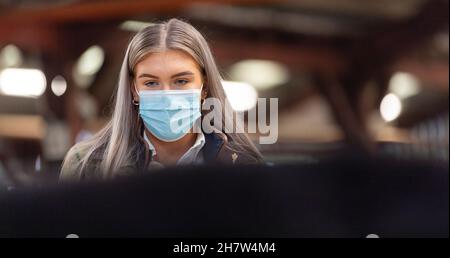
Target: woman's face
<point x="168" y="70"/>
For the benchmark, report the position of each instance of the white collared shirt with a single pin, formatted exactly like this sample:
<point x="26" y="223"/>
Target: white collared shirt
<point x="191" y="156"/>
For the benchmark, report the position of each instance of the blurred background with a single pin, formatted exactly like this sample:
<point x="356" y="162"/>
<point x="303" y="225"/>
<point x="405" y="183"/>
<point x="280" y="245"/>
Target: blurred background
<point x="369" y="74"/>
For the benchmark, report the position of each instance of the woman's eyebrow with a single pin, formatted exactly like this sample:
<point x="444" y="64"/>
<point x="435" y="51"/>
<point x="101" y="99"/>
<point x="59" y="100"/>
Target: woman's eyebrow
<point x="173" y="76"/>
<point x="147" y="75"/>
<point x="182" y="74"/>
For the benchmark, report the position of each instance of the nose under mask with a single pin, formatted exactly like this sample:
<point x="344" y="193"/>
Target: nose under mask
<point x="169" y="114"/>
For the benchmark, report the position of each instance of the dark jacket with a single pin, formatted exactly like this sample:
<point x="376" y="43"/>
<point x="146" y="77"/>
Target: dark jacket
<point x="218" y="149"/>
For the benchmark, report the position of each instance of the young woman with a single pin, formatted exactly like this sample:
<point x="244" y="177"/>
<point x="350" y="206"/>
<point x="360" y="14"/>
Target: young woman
<point x="168" y="71"/>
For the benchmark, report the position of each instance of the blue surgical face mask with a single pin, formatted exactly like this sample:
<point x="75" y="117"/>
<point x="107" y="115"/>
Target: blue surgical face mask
<point x="169" y="114"/>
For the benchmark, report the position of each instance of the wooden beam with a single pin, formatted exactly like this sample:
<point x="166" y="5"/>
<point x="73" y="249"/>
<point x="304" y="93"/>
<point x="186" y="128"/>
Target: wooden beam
<point x="434" y="75"/>
<point x="298" y="56"/>
<point x="88" y="11"/>
<point x="22" y="126"/>
<point x="355" y="132"/>
<point x="33" y="36"/>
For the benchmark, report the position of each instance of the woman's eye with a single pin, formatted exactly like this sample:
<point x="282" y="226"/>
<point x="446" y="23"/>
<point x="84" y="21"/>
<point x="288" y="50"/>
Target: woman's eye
<point x="151" y="84"/>
<point x="181" y="82"/>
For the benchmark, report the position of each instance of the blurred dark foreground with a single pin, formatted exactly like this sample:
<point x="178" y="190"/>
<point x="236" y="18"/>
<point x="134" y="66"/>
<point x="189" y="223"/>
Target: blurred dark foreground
<point x="338" y="198"/>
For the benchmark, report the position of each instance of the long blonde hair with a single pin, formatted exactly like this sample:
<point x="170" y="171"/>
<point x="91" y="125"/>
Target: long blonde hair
<point x="118" y="139"/>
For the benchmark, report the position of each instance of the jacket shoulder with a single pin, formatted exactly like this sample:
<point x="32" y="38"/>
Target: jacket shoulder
<point x="72" y="163"/>
<point x="220" y="148"/>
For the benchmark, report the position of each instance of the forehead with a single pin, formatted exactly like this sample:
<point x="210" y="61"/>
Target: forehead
<point x="166" y="63"/>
